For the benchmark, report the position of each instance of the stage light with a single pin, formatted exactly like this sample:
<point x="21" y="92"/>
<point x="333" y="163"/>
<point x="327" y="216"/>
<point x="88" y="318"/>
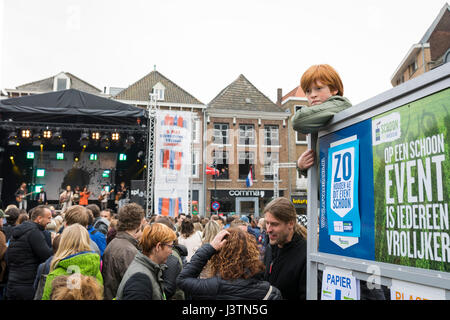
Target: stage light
<point x="104" y="141"/>
<point x="47" y="134"/>
<point x="26" y="133"/>
<point x="76" y="159"/>
<point x="59" y="156"/>
<point x="40" y="173"/>
<point x="12" y="138"/>
<point x="57" y="134"/>
<point x="11" y="158"/>
<point x="93" y="157"/>
<point x="84" y="139"/>
<point x="30" y="155"/>
<point x="122" y="157"/>
<point x="115" y="136"/>
<point x="95" y="135"/>
<point x="129" y="141"/>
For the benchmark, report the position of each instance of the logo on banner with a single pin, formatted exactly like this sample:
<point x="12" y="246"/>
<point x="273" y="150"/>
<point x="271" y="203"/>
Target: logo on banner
<point x="386" y="129"/>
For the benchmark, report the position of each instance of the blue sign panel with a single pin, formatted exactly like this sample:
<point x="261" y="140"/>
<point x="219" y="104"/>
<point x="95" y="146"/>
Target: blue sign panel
<point x="342" y="190"/>
<point x="346" y="183"/>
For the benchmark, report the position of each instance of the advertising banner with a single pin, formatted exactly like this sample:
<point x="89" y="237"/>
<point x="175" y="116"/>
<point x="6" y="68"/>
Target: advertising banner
<point x="346" y="225"/>
<point x="401" y="194"/>
<point x="173" y="165"/>
<point x="412" y="183"/>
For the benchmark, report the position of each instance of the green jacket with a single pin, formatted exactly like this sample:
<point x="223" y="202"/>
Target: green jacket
<point x="86" y="263"/>
<point x="311" y="119"/>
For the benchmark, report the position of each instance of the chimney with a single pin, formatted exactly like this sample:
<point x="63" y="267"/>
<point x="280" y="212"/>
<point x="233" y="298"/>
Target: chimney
<point x="279" y="96"/>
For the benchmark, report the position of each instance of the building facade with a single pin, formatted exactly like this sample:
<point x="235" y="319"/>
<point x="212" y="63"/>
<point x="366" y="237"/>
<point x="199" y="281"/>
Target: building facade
<point x="291" y="103"/>
<point x="430" y="52"/>
<point x="173" y="97"/>
<point x="246" y="133"/>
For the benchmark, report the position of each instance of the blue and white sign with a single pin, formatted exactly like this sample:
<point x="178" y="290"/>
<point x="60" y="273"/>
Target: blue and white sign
<point x="342" y="243"/>
<point x="342" y="190"/>
<point x="339" y="284"/>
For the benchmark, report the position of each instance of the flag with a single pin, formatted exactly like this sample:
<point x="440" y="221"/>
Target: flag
<point x="249" y="180"/>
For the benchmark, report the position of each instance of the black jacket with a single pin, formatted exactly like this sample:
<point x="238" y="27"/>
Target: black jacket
<point x="286" y="268"/>
<point x="27" y="249"/>
<point x="216" y="288"/>
<point x="174" y="267"/>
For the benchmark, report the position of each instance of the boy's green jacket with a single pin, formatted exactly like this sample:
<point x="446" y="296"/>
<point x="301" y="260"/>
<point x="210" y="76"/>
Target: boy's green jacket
<point x="311" y="119"/>
<point x="86" y="263"/>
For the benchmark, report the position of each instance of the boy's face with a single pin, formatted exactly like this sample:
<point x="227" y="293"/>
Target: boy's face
<point x="319" y="93"/>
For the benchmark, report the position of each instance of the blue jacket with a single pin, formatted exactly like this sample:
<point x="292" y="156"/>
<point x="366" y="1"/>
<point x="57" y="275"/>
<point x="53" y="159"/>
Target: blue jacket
<point x="99" y="238"/>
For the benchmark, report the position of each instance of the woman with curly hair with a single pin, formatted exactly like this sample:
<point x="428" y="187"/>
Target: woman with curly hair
<point x="235" y="266"/>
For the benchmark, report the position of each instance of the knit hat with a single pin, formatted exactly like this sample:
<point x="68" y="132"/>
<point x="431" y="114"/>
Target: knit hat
<point x="244" y="218"/>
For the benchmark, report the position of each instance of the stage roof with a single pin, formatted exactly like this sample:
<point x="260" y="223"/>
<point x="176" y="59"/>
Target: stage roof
<point x="70" y="102"/>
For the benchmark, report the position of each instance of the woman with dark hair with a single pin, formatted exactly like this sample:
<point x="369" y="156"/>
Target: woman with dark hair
<point x="189" y="238"/>
<point x="235" y="267"/>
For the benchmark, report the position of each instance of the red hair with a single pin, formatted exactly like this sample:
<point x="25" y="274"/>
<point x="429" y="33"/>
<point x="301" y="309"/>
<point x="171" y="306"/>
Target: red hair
<point x="325" y="74"/>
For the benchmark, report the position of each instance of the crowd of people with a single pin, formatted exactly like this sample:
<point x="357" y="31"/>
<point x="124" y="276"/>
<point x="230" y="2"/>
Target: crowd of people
<point x="84" y="252"/>
<point x="87" y="253"/>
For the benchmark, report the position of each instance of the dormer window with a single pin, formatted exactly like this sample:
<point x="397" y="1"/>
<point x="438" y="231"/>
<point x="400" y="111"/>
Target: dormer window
<point x="61" y="82"/>
<point x="159" y="89"/>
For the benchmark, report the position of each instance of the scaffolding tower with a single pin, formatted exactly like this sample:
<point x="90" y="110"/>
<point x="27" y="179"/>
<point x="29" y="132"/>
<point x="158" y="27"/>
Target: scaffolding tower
<point x="152" y="107"/>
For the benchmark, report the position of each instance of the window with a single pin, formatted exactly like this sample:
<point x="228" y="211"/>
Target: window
<point x="246" y="159"/>
<point x="271" y="136"/>
<point x="269" y="159"/>
<point x="195" y="163"/>
<point x="61" y="84"/>
<point x="412" y="68"/>
<point x="196" y="131"/>
<point x="300" y="138"/>
<point x="220" y="133"/>
<point x="220" y="161"/>
<point x="247" y="134"/>
<point x="159" y="90"/>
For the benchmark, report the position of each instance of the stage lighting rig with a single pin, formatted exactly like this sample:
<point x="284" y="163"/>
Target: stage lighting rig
<point x="47" y="134"/>
<point x="115" y="136"/>
<point x="84" y="139"/>
<point x="26" y="133"/>
<point x="95" y="135"/>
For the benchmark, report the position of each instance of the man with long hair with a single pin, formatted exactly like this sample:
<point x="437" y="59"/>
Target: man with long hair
<point x="285" y="256"/>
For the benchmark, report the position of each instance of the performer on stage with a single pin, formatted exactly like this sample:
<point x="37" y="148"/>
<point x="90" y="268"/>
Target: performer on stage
<point x="76" y="195"/>
<point x="121" y="195"/>
<point x="84" y="196"/>
<point x="41" y="197"/>
<point x="103" y="198"/>
<point x="66" y="198"/>
<point x="21" y="195"/>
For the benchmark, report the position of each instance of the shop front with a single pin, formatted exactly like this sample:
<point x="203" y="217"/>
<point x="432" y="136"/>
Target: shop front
<point x="242" y="202"/>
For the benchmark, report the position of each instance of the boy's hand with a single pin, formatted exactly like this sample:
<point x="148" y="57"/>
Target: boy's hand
<point x="306" y="160"/>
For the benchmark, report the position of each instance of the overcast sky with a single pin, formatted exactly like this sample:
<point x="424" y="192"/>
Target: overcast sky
<point x="203" y="45"/>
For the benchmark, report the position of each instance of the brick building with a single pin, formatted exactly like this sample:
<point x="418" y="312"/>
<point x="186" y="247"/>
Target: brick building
<point x="290" y="103"/>
<point x="244" y="130"/>
<point x="430" y="52"/>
